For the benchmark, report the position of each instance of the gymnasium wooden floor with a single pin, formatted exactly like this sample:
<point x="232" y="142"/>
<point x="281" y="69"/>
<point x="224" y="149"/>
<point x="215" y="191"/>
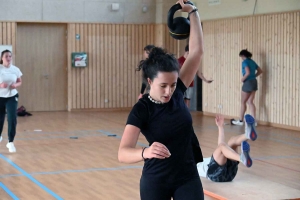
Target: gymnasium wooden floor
<point x="50" y="165"/>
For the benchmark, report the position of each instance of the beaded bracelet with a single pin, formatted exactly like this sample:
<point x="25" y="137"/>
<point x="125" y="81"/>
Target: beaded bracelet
<point x="143" y="153"/>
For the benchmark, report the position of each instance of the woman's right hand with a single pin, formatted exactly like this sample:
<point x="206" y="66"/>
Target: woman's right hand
<point x="185" y="7"/>
<point x="3" y="85"/>
<point x="157" y="150"/>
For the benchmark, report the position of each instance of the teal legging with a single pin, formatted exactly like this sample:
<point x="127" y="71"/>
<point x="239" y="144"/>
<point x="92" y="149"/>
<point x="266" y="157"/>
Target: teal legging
<point x="10" y="106"/>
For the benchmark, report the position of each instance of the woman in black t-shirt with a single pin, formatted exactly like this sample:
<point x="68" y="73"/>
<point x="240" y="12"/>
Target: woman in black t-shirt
<point x="162" y="117"/>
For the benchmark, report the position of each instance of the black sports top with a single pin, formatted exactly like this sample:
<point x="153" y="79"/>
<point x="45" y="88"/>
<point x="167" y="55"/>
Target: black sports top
<point x="171" y="125"/>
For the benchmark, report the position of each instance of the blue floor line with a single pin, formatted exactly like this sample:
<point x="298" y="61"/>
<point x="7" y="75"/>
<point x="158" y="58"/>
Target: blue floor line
<point x="31" y="178"/>
<point x="9" y="192"/>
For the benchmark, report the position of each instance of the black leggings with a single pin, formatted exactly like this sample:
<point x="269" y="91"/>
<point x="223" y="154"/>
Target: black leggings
<point x="10" y="106"/>
<point x="190" y="190"/>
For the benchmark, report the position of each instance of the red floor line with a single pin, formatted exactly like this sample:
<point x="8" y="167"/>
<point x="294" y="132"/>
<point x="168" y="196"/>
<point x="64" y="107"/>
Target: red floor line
<point x="216" y="196"/>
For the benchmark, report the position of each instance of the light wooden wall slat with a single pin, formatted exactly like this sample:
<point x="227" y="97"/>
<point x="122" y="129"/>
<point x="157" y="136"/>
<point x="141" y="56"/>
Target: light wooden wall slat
<point x="274" y="41"/>
<point x="114" y="51"/>
<point x="8" y="34"/>
<point x="297" y="74"/>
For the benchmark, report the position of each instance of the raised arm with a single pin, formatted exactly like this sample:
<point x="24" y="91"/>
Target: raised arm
<point x="191" y="65"/>
<point x="200" y="75"/>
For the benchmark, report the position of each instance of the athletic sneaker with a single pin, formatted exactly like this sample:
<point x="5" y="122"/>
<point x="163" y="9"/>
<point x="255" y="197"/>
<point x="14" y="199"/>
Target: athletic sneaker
<point x="11" y="147"/>
<point x="250" y="129"/>
<point x="245" y="156"/>
<point x="237" y="122"/>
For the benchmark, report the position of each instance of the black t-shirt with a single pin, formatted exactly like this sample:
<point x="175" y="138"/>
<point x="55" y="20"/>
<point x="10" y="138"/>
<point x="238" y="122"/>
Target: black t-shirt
<point x="171" y="125"/>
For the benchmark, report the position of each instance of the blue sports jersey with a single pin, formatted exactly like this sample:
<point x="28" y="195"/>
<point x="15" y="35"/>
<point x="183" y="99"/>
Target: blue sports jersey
<point x="252" y="67"/>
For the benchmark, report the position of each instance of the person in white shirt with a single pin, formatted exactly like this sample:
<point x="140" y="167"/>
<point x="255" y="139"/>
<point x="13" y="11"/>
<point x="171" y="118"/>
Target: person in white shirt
<point x="10" y="79"/>
<point x="222" y="166"/>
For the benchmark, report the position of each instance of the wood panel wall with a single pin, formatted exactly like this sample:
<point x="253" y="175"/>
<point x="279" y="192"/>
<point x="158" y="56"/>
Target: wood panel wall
<point x="114" y="50"/>
<point x="8" y="34"/>
<point x="274" y="40"/>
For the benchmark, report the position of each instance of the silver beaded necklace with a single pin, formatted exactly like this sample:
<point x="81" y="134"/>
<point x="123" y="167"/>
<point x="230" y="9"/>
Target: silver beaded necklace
<point x="154" y="101"/>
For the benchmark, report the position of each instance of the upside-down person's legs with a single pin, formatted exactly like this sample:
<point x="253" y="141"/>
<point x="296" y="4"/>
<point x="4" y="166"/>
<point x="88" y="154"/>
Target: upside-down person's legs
<point x="241" y="140"/>
<point x="224" y="151"/>
<point x="250" y="133"/>
<point x="236" y="141"/>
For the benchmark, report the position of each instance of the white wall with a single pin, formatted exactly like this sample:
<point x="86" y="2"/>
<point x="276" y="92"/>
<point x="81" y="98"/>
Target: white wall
<point x="130" y="10"/>
<point x="162" y="9"/>
<point x="77" y="11"/>
<point x="235" y="8"/>
<point x="85" y="11"/>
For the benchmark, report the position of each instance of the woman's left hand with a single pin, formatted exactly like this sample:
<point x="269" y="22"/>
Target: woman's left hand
<point x="219" y="120"/>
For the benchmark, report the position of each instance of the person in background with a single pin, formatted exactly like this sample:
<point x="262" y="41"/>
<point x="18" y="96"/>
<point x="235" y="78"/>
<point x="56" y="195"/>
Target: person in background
<point x="145" y="87"/>
<point x="222" y="166"/>
<point x="10" y="79"/>
<point x="189" y="92"/>
<point x="250" y="70"/>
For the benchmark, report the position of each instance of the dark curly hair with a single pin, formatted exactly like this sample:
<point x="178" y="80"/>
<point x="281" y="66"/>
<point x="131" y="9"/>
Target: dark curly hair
<point x="149" y="47"/>
<point x="246" y="53"/>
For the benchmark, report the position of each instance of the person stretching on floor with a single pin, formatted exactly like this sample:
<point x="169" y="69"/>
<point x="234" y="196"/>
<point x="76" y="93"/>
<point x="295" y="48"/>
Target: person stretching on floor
<point x="222" y="166"/>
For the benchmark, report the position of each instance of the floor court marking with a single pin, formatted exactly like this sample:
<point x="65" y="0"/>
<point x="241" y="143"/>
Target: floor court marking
<point x="8" y="191"/>
<point x="144" y="145"/>
<point x="31" y="178"/>
<point x="57" y="137"/>
<point x="208" y="193"/>
<point x="106" y="133"/>
<point x="230" y="130"/>
<point x="76" y="171"/>
<point x="120" y="137"/>
<point x="127" y="167"/>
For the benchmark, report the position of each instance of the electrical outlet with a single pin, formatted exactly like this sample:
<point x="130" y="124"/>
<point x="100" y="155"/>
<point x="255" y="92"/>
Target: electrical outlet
<point x="205" y="104"/>
<point x="106" y="100"/>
